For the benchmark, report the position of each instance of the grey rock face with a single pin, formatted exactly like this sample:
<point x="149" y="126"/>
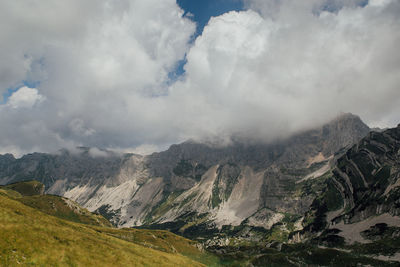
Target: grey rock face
<point x="363" y="192"/>
<point x="75" y="168"/>
<point x="222" y="185"/>
<point x="369" y="176"/>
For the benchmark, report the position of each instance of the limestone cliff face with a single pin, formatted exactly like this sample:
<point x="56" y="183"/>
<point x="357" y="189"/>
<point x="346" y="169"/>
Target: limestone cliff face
<point x="368" y="176"/>
<point x="255" y="184"/>
<point x="362" y="192"/>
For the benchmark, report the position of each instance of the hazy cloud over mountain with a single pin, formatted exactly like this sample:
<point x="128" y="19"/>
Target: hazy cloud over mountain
<point x="96" y="73"/>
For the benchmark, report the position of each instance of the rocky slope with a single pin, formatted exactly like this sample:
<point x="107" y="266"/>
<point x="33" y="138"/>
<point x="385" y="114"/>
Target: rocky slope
<point x="192" y="184"/>
<point x="366" y="185"/>
<point x="353" y="219"/>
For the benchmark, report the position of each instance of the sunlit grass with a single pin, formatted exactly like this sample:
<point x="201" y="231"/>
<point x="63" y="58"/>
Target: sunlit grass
<point x="30" y="237"/>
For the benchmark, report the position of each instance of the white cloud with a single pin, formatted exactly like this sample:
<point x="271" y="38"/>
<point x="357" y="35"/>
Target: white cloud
<point x="24" y="97"/>
<point x="78" y="127"/>
<point x="100" y="65"/>
<point x="277" y="68"/>
<point x="94" y="152"/>
<point x="264" y="76"/>
<point x="145" y="149"/>
<point x="14" y="150"/>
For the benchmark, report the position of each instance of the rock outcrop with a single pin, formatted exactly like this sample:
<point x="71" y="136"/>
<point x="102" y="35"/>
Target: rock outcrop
<point x="362" y="192"/>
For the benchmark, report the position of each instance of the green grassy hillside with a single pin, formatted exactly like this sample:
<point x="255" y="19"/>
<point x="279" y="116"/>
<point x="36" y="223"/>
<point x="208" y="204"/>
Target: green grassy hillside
<point x="64" y="208"/>
<point x="30" y="237"/>
<point x="31" y="194"/>
<point x="25" y="225"/>
<point x="28" y="188"/>
<point x="164" y="241"/>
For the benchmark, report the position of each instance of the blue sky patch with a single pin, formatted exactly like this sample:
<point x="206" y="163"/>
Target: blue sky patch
<point x="201" y="12"/>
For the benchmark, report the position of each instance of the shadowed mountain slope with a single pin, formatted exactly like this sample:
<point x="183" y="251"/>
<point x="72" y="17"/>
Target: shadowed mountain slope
<point x="366" y="180"/>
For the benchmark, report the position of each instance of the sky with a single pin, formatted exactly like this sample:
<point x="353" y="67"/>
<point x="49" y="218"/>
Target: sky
<point x="140" y="75"/>
<point x="202" y="11"/>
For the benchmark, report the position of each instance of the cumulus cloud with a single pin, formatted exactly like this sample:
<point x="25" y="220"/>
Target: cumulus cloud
<point x="101" y="67"/>
<point x="261" y="75"/>
<point x="24" y="97"/>
<point x="279" y="67"/>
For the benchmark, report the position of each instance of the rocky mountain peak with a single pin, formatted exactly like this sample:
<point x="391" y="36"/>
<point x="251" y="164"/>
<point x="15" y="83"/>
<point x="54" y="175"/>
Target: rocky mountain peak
<point x="342" y="132"/>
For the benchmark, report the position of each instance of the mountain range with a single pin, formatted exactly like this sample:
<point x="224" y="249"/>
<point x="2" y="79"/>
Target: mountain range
<point x="335" y="186"/>
<point x="227" y="185"/>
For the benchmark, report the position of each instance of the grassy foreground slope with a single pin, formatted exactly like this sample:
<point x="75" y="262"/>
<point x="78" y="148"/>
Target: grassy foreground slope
<point x="31" y="193"/>
<point x="27" y="188"/>
<point x="30" y="237"/>
<point x="64" y="208"/>
<point x="165" y="241"/>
